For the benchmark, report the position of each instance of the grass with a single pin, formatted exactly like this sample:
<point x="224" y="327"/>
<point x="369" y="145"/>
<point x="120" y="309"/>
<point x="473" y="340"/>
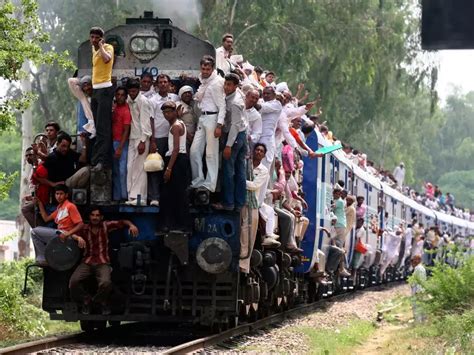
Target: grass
<point x="341" y="340"/>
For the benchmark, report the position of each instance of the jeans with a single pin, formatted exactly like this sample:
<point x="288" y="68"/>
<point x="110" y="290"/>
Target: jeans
<point x="234" y="190"/>
<point x="155" y="179"/>
<point x="119" y="173"/>
<point x="101" y="105"/>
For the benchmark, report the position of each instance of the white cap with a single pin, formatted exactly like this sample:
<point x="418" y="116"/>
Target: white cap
<point x="282" y="87"/>
<point x="185" y="88"/>
<point x="247" y="66"/>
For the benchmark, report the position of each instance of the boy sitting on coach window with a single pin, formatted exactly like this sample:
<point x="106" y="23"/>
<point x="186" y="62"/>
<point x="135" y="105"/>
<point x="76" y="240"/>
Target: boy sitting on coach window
<point x="94" y="239"/>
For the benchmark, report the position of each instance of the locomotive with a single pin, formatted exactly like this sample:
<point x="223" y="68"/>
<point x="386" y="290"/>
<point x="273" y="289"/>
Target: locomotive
<point x="194" y="276"/>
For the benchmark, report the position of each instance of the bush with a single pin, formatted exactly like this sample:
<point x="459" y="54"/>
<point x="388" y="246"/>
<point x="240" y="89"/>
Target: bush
<point x="450" y="289"/>
<point x="20" y="316"/>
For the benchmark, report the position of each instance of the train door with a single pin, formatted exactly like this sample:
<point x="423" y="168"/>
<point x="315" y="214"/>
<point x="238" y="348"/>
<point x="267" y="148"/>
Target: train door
<point x="372" y="222"/>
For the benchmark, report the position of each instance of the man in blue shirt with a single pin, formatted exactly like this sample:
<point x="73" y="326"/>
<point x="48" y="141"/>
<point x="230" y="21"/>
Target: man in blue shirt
<point x="339" y="210"/>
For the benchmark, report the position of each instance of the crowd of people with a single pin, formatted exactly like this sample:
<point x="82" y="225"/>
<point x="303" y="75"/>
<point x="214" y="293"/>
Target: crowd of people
<point x="234" y="132"/>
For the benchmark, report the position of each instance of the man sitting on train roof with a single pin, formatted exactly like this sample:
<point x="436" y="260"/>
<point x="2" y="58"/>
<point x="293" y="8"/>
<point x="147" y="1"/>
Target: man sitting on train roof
<point x="102" y="63"/>
<point x="63" y="164"/>
<point x="94" y="239"/>
<point x="211" y="101"/>
<point x="159" y="133"/>
<point x="224" y="52"/>
<point x="139" y="142"/>
<point x="67" y="218"/>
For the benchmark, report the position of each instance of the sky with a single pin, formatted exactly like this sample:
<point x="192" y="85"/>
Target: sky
<point x="455" y="67"/>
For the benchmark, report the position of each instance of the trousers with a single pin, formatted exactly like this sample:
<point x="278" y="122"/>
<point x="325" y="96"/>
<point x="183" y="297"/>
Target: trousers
<point x="268" y="214"/>
<point x="41" y="236"/>
<point x="119" y="173"/>
<point x="286" y="222"/>
<point x="155" y="179"/>
<point x="101" y="272"/>
<point x="204" y="140"/>
<point x="79" y="179"/>
<point x="173" y="205"/>
<point x="248" y="233"/>
<point x="234" y="189"/>
<point x="136" y="175"/>
<point x="101" y="105"/>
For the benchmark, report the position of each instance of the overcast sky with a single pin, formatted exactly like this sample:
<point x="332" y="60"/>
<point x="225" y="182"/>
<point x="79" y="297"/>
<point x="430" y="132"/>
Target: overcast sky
<point x="456" y="67"/>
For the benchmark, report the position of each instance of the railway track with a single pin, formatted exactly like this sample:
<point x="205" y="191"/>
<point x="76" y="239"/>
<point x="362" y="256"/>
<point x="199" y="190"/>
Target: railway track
<point x="183" y="341"/>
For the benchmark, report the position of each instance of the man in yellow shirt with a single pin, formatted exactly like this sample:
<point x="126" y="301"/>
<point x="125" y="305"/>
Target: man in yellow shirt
<point x="102" y="62"/>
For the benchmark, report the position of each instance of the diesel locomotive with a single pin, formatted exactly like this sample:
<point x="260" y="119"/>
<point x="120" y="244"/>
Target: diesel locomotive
<point x="194" y="276"/>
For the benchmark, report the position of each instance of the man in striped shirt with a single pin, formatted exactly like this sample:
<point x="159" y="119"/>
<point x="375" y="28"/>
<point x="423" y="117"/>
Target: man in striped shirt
<point x="93" y="238"/>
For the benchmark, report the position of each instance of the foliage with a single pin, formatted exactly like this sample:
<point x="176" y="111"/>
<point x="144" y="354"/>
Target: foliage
<point x="325" y="341"/>
<point x="449" y="290"/>
<point x="461" y="185"/>
<point x="22" y="38"/>
<point x="10" y="153"/>
<point x="20" y="315"/>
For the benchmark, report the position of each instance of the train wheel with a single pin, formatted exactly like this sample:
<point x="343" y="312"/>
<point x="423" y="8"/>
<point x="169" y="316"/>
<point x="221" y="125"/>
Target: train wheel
<point x="114" y="323"/>
<point x="87" y="326"/>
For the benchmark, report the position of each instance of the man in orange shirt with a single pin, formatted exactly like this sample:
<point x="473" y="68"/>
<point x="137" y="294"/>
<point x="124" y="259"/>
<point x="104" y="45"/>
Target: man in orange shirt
<point x="67" y="218"/>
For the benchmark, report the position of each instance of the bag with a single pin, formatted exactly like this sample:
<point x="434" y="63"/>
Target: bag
<point x="360" y="247"/>
<point x="153" y="162"/>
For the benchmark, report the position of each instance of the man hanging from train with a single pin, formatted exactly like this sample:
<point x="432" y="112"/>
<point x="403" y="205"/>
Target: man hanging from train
<point x="121" y="120"/>
<point x="64" y="164"/>
<point x="138" y="145"/>
<point x="176" y="177"/>
<point x="94" y="239"/>
<point x="102" y="62"/>
<point x="211" y="101"/>
<point x="67" y="218"/>
<point x="235" y="139"/>
<point x="340" y="226"/>
<point x="146" y="85"/>
<point x="159" y="134"/>
<point x="190" y="113"/>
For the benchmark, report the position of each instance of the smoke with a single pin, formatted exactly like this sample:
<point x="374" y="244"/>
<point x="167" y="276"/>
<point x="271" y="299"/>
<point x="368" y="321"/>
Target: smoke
<point x="185" y="14"/>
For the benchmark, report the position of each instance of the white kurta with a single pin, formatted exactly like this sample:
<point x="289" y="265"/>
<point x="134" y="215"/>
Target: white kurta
<point x="270" y="111"/>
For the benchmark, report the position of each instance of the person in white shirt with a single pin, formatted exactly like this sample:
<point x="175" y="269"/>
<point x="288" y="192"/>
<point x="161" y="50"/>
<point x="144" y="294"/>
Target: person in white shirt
<point x="224" y="52"/>
<point x="399" y="174"/>
<point x="159" y="132"/>
<point x="270" y="112"/>
<point x="233" y="189"/>
<point x="146" y="85"/>
<point x="418" y="278"/>
<point x="254" y="119"/>
<point x="211" y="101"/>
<point x="139" y="141"/>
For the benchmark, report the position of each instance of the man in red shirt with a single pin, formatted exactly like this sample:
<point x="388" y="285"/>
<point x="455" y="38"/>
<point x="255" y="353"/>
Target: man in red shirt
<point x="93" y="238"/>
<point x="121" y="120"/>
<point x="41" y="191"/>
<point x="67" y="218"/>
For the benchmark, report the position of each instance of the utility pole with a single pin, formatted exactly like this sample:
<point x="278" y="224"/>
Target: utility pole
<point x="27" y="138"/>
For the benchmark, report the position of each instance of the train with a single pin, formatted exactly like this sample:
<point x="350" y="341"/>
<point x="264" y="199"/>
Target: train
<point x="194" y="276"/>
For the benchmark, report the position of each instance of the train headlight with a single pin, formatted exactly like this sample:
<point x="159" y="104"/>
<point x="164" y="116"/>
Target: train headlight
<point x="145" y="45"/>
<point x="137" y="44"/>
<point x="152" y="44"/>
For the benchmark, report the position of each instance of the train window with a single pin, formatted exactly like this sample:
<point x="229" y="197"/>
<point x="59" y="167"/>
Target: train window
<point x="117" y="43"/>
<point x="167" y="38"/>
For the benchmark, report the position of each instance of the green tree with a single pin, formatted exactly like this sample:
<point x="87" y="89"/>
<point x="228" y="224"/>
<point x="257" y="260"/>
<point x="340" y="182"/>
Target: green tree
<point x="461" y="185"/>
